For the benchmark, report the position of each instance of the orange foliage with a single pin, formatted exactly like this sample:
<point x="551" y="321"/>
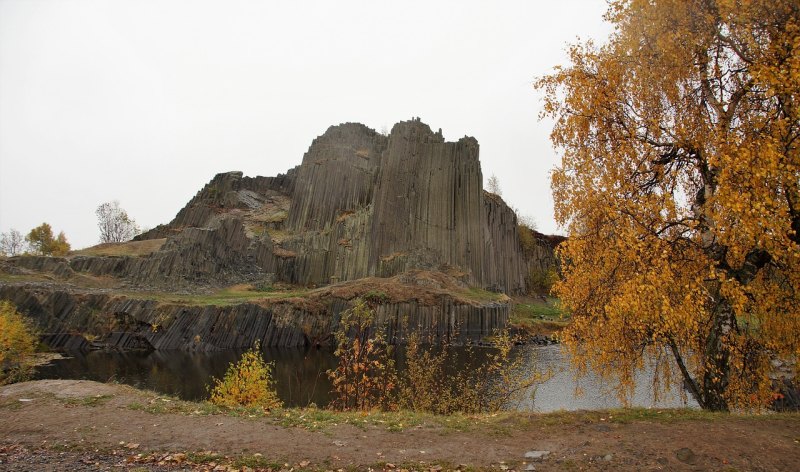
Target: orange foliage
<point x="679" y="186"/>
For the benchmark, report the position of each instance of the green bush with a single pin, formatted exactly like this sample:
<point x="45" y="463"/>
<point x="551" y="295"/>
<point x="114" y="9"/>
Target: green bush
<point x="541" y="281"/>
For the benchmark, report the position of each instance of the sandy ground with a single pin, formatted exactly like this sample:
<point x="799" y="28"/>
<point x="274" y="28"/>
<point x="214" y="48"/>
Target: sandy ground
<point x="76" y="425"/>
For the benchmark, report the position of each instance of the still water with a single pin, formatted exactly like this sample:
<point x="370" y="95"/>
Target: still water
<point x="301" y="376"/>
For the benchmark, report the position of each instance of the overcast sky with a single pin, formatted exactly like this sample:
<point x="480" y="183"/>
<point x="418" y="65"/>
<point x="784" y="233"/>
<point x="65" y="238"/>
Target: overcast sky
<point x="145" y="101"/>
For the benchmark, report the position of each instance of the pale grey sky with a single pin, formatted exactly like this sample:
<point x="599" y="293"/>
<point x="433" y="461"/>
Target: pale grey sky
<point x="145" y="101"/>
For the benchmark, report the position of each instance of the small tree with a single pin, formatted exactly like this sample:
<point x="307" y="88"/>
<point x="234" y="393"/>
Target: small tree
<point x="493" y="185"/>
<point x="247" y="383"/>
<point x="12" y="243"/>
<point x="114" y="223"/>
<point x="365" y="378"/>
<point x="42" y="242"/>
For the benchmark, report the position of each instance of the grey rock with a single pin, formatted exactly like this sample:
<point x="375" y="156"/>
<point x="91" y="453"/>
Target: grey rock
<point x="359" y="205"/>
<point x="686" y="455"/>
<point x="537" y="455"/>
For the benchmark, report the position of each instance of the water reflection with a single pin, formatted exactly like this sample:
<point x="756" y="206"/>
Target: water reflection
<point x="559" y="392"/>
<point x="301" y="379"/>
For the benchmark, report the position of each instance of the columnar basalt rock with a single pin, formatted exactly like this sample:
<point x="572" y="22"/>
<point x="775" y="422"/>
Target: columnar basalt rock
<point x="79" y="320"/>
<point x="360" y="205"/>
<point x="428" y="200"/>
<point x="337" y="176"/>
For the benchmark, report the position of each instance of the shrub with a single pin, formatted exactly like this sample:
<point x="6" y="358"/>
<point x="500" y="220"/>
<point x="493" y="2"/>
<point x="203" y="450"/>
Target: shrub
<point x="17" y="341"/>
<point x="247" y="383"/>
<point x="541" y="281"/>
<point x="365" y="377"/>
<point x="497" y="381"/>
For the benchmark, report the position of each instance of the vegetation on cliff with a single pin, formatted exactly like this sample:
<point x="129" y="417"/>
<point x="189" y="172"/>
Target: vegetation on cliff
<point x="679" y="186"/>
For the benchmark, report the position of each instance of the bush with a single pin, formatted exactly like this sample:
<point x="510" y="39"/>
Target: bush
<point x="365" y="377"/>
<point x="17" y="342"/>
<point x="247" y="383"/>
<point x="542" y="281"/>
<point x="499" y="380"/>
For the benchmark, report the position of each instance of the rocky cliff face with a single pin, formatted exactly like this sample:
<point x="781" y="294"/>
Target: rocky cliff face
<point x="83" y="319"/>
<point x="360" y="204"/>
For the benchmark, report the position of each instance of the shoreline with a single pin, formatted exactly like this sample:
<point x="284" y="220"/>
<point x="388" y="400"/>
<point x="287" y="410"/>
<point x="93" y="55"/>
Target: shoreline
<point x="107" y="423"/>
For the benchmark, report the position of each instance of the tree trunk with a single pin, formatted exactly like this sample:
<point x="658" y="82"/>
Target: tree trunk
<point x="717" y="357"/>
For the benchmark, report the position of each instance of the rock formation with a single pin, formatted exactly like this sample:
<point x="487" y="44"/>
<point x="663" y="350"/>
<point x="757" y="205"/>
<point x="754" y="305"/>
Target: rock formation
<point x="360" y="205"/>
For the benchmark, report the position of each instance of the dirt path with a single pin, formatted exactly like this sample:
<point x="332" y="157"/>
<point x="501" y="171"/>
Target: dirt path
<point x="81" y="425"/>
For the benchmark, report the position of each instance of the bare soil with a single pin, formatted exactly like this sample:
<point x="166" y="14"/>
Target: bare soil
<point x="76" y="425"/>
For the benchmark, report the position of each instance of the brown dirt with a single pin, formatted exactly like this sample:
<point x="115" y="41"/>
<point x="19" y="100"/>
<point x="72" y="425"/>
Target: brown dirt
<point x="81" y="425"/>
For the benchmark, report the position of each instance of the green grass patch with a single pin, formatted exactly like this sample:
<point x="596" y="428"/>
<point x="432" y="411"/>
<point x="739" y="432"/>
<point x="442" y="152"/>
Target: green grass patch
<point x="203" y="457"/>
<point x="167" y="405"/>
<point x="15" y="278"/>
<point x="92" y="401"/>
<point x="539" y="316"/>
<point x="258" y="463"/>
<point x="481" y="295"/>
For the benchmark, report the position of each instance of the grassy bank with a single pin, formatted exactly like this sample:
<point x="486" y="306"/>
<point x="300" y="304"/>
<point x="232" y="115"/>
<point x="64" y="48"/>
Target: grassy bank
<point x="534" y="315"/>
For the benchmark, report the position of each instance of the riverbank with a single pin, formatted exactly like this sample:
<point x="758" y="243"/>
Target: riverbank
<point x="82" y="425"/>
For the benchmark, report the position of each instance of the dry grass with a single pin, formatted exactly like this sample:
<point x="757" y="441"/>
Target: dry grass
<point x="234" y="295"/>
<point x="130" y="248"/>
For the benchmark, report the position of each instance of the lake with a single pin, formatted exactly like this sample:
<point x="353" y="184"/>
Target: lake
<point x="301" y="376"/>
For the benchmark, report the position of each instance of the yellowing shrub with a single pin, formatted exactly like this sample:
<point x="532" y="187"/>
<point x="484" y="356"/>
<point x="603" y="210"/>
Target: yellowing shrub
<point x="17" y="341"/>
<point x="247" y="383"/>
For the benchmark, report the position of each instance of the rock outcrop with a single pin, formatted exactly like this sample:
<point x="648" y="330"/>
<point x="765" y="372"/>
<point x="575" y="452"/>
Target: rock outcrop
<point x="360" y="206"/>
<point x="79" y="319"/>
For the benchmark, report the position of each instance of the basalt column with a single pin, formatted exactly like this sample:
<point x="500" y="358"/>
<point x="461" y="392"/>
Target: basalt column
<point x="428" y="204"/>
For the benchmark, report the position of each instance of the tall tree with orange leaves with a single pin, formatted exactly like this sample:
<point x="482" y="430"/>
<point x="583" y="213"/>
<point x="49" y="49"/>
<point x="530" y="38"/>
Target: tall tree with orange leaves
<point x="679" y="186"/>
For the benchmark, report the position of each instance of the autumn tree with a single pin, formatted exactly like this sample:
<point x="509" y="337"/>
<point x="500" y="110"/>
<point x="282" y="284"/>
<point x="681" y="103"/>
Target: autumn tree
<point x="17" y="342"/>
<point x="12" y="243"/>
<point x="679" y="186"/>
<point x="42" y="242"/>
<point x="115" y="224"/>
